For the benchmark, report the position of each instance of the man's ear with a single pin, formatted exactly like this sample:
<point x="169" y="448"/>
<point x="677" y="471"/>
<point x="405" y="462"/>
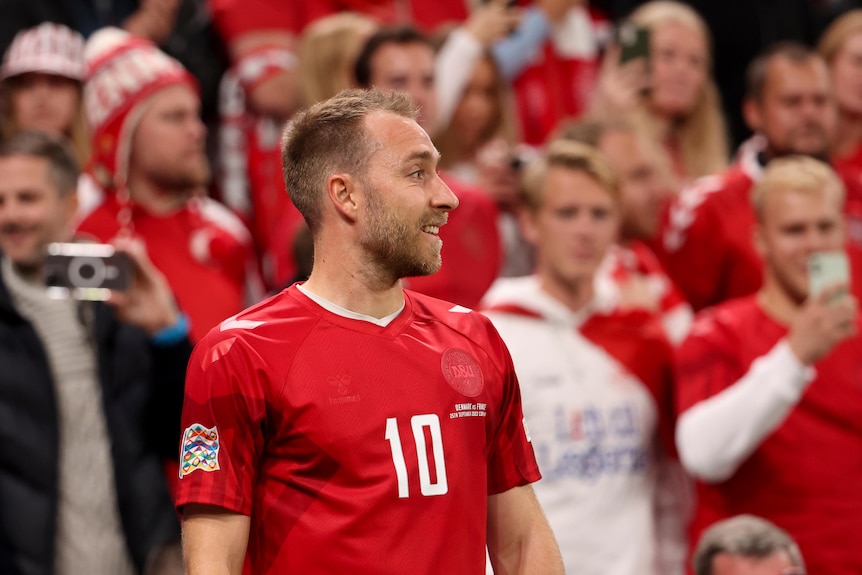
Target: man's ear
<point x="527" y="224"/>
<point x="752" y="115"/>
<point x="343" y="191"/>
<point x="759" y="241"/>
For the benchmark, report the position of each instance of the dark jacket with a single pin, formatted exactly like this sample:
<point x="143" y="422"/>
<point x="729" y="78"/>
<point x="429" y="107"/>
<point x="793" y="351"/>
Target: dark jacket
<point x="142" y="390"/>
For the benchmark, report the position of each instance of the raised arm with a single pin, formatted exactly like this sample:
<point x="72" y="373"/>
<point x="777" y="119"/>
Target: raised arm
<point x="520" y="541"/>
<point x="214" y="540"/>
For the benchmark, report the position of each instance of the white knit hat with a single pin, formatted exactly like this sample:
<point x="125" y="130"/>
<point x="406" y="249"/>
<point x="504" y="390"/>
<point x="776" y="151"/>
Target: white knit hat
<point x="47" y="48"/>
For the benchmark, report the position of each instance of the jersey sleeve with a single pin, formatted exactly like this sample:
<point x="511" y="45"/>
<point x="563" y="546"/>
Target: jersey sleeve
<point x="224" y="415"/>
<point x="692" y="244"/>
<point x="702" y="366"/>
<point x="511" y="461"/>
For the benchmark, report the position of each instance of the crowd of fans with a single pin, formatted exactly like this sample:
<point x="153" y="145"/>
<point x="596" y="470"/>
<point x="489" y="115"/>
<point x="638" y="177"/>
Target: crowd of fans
<point x="648" y="275"/>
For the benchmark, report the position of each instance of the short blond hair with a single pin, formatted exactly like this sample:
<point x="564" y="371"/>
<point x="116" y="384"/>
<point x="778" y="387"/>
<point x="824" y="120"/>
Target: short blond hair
<point x="571" y="155"/>
<point x="798" y="174"/>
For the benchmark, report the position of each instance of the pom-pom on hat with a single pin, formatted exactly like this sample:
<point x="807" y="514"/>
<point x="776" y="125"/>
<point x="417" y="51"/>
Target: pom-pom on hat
<point x="47" y="48"/>
<point x="123" y="72"/>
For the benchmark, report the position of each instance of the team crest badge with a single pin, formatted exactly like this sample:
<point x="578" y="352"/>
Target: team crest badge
<point x="199" y="449"/>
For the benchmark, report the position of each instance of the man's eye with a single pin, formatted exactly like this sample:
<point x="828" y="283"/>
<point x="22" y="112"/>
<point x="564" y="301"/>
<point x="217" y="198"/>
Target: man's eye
<point x="417" y="174"/>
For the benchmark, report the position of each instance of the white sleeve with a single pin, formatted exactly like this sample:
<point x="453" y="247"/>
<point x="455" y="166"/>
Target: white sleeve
<point x="714" y="437"/>
<point x="453" y="68"/>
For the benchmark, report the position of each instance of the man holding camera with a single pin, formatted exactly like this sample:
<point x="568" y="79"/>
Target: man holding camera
<point x="90" y="394"/>
<point x="769" y="393"/>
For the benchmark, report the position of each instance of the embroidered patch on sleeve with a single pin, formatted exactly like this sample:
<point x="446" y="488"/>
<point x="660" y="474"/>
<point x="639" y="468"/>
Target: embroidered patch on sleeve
<point x="199" y="449"/>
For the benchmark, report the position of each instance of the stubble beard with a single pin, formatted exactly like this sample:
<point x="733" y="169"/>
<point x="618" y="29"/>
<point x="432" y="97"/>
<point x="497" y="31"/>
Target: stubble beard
<point x="393" y="245"/>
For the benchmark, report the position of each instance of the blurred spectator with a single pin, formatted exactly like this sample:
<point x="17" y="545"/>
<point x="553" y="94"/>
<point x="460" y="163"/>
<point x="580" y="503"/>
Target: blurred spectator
<point x="403" y="59"/>
<point x="90" y="396"/>
<point x="41" y="78"/>
<point x="671" y="94"/>
<point x="841" y="47"/>
<point x="327" y="54"/>
<point x="595" y="381"/>
<point x="706" y="244"/>
<point x="769" y="394"/>
<point x="644" y="187"/>
<point x="477" y="137"/>
<point x="747" y="545"/>
<point x="148" y="143"/>
<point x="552" y="60"/>
<point x="426" y="15"/>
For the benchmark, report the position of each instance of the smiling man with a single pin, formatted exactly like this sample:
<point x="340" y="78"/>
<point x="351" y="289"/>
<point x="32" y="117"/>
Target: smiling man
<point x="347" y="425"/>
<point x="768" y="385"/>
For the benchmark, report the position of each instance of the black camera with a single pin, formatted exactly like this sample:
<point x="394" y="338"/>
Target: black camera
<point x="86" y="271"/>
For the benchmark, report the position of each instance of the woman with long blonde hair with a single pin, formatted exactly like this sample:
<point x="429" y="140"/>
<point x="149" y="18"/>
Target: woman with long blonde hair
<point x="841" y="47"/>
<point x="672" y="97"/>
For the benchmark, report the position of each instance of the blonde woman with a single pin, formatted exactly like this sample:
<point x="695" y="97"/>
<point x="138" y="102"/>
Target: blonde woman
<point x="672" y="96"/>
<point x="841" y="47"/>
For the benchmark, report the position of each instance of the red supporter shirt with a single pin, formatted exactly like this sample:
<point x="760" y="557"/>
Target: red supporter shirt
<point x="355" y="448"/>
<point x="807" y="475"/>
<point x="471" y="252"/>
<point x="203" y="250"/>
<point x="707" y="238"/>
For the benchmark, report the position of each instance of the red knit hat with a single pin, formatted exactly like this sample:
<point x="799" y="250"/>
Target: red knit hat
<point x="47" y="48"/>
<point x="123" y="72"/>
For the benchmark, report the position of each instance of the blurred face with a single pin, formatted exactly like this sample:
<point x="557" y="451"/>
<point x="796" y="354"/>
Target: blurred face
<point x="643" y="190"/>
<point x="409" y="68"/>
<point x="407" y="202"/>
<point x="573" y="228"/>
<point x="775" y="564"/>
<point x="44" y="102"/>
<point x="168" y="146"/>
<point x="678" y="69"/>
<point x="847" y="76"/>
<point x="796" y="112"/>
<point x="477" y="113"/>
<point x="793" y="226"/>
<point x="33" y="213"/>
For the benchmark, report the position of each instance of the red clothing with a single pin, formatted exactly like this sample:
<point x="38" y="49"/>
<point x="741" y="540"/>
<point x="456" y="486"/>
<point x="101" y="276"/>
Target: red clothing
<point x="355" y="448"/>
<point x="807" y="475"/>
<point x="203" y="250"/>
<point x="706" y="242"/>
<point x="637" y="258"/>
<point x="559" y="83"/>
<point x="427" y="15"/>
<point x="471" y="250"/>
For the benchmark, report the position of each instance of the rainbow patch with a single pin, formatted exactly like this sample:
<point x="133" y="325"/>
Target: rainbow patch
<point x="199" y="449"/>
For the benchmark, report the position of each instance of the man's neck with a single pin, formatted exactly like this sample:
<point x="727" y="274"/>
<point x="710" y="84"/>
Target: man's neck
<point x="155" y="199"/>
<point x="777" y="303"/>
<point x="352" y="284"/>
<point x="575" y="296"/>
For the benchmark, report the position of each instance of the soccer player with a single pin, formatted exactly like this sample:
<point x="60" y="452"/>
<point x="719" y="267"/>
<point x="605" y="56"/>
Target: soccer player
<point x="347" y="425"/>
<point x="769" y="389"/>
<point x="595" y="379"/>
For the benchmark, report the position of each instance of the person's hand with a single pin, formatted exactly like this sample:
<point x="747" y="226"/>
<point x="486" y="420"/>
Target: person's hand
<point x="154" y="19"/>
<point x="556" y="10"/>
<point x="637" y="293"/>
<point x="823" y="323"/>
<point x="491" y="22"/>
<point x="148" y="303"/>
<point x="620" y="86"/>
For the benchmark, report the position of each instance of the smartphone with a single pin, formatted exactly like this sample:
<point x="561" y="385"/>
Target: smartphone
<point x="634" y="42"/>
<point x="827" y="269"/>
<point x="86" y="271"/>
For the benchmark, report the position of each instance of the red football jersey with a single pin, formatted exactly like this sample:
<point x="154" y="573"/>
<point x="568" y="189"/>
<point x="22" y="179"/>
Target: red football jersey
<point x="355" y="448"/>
<point x="807" y="475"/>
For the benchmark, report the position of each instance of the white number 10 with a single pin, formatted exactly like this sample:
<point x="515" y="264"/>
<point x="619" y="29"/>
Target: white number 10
<point x="417" y="423"/>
